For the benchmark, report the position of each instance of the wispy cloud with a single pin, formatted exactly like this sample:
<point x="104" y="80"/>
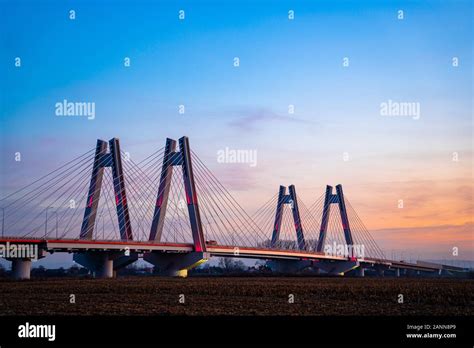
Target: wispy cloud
<point x="425" y="202"/>
<point x="237" y="177"/>
<point x="249" y="119"/>
<point x="430" y="240"/>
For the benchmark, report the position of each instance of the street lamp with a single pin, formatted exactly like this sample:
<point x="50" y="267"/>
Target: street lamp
<point x="46" y="224"/>
<point x="57" y="222"/>
<point x="101" y="217"/>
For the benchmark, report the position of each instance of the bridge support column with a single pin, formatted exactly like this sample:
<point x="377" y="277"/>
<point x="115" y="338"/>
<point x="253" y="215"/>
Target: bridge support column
<point x="380" y="272"/>
<point x="176" y="264"/>
<point x="21" y="269"/>
<point x="106" y="270"/>
<point x="397" y="272"/>
<point x="338" y="267"/>
<point x="442" y="272"/>
<point x="361" y="271"/>
<point x="104" y="264"/>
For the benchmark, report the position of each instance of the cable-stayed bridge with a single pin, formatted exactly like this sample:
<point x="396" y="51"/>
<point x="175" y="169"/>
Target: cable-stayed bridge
<point x="170" y="210"/>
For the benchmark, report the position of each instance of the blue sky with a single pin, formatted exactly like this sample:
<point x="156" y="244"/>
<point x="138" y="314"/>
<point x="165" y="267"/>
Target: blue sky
<point x="282" y="62"/>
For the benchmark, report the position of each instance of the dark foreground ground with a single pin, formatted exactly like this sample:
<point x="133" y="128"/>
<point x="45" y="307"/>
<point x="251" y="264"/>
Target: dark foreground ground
<point x="237" y="296"/>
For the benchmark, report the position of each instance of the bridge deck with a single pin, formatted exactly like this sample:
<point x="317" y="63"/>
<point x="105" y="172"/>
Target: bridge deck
<point x="71" y="245"/>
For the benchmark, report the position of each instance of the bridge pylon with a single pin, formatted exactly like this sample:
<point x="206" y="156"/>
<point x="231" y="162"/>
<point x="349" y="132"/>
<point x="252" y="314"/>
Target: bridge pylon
<point x="102" y="160"/>
<point x="338" y="199"/>
<point x="168" y="263"/>
<point x="103" y="263"/>
<point x="292" y="200"/>
<point x="182" y="158"/>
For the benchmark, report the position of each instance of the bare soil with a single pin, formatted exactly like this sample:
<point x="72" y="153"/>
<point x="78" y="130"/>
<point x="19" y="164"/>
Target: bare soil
<point x="237" y="296"/>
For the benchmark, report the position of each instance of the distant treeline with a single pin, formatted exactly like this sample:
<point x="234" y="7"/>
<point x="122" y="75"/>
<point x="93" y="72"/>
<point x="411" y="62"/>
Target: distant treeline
<point x="224" y="266"/>
<point x="43" y="272"/>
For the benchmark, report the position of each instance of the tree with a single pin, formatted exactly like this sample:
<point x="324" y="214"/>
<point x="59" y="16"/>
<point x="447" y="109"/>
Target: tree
<point x="225" y="263"/>
<point x="239" y="265"/>
<point x="74" y="270"/>
<point x="229" y="264"/>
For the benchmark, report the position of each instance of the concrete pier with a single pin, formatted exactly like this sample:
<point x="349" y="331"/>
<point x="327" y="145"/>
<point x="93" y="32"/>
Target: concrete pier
<point x="176" y="264"/>
<point x="338" y="268"/>
<point x="106" y="270"/>
<point x="21" y="269"/>
<point x="103" y="264"/>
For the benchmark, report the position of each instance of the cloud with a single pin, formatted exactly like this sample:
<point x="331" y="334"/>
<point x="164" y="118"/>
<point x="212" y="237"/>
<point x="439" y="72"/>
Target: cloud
<point x="436" y="240"/>
<point x="247" y="119"/>
<point x="237" y="177"/>
<point x="425" y="203"/>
